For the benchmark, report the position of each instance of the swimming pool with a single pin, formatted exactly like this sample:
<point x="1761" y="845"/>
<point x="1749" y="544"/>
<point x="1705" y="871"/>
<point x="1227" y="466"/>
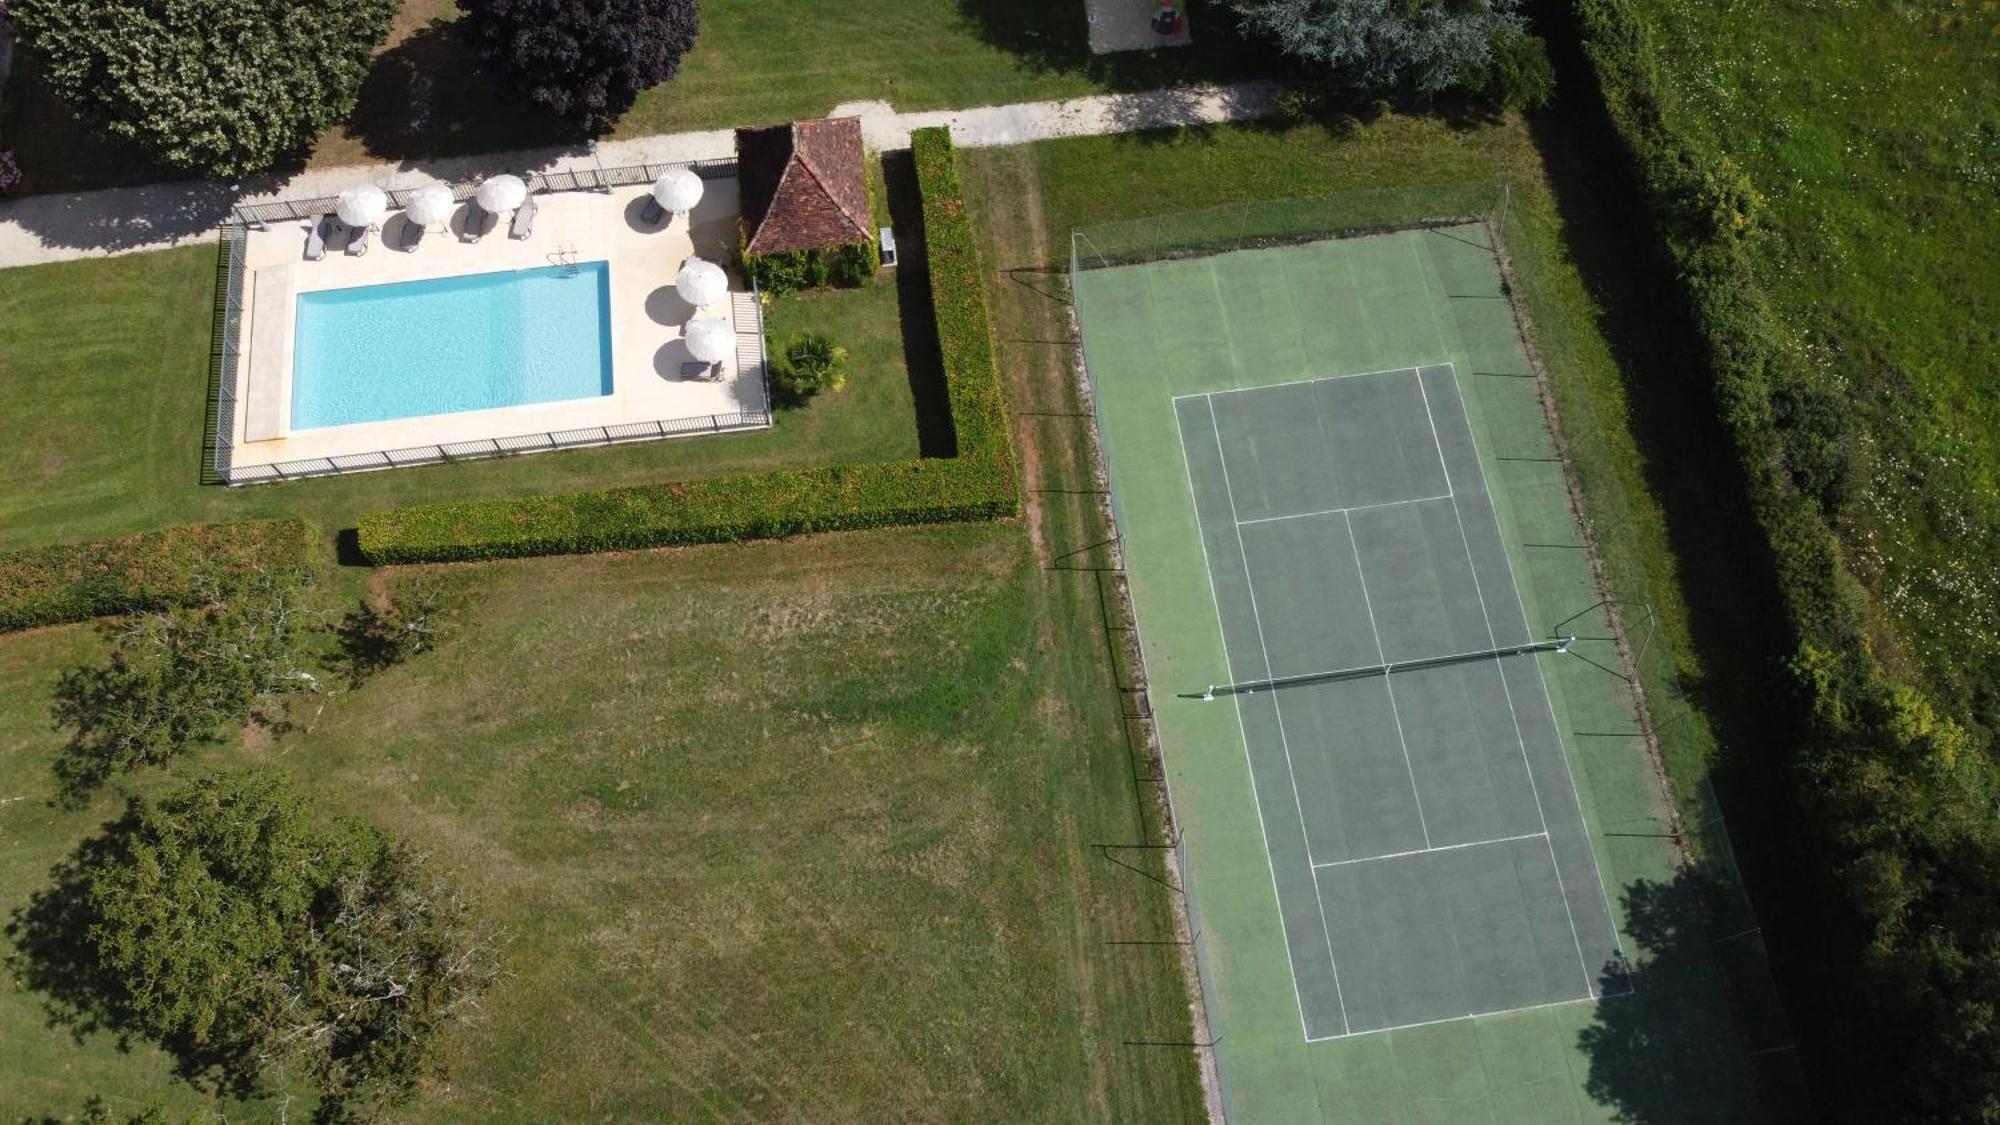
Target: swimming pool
<point x="449" y="344"/>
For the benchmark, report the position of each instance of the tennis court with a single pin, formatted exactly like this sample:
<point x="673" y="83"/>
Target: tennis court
<point x="1425" y="838"/>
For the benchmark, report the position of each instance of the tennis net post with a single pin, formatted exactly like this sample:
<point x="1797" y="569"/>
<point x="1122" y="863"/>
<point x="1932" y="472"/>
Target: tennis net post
<point x="1251" y="687"/>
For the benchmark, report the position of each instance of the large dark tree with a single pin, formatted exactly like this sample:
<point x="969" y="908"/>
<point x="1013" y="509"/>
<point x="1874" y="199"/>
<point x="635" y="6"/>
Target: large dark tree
<point x="218" y="86"/>
<point x="586" y="60"/>
<point x="245" y="932"/>
<point x="1428" y="45"/>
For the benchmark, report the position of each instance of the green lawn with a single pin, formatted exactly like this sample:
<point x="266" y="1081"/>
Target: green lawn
<point x="1573" y="264"/>
<point x="753" y="63"/>
<point x="1873" y="132"/>
<point x="786" y="831"/>
<point x="104" y="370"/>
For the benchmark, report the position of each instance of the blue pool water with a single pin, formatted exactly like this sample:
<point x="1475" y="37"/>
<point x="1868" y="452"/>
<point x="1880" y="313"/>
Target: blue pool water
<point x="451" y="343"/>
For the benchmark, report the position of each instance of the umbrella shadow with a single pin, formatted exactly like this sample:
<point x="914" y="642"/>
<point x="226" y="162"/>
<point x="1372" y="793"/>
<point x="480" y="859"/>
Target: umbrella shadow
<point x="639" y="208"/>
<point x="666" y="306"/>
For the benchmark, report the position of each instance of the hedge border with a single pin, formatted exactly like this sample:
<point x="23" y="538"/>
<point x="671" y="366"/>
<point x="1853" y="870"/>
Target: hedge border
<point x="977" y="483"/>
<point x="165" y="569"/>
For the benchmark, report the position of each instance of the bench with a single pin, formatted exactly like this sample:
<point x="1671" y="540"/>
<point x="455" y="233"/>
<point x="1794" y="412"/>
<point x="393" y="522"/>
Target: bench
<point x="888" y="247"/>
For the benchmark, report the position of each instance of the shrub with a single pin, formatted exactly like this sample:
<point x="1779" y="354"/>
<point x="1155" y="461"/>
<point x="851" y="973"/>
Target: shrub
<point x="811" y="364"/>
<point x="224" y="87"/>
<point x="976" y="484"/>
<point x="848" y="265"/>
<point x="152" y="570"/>
<point x="584" y="60"/>
<point x="1429" y="46"/>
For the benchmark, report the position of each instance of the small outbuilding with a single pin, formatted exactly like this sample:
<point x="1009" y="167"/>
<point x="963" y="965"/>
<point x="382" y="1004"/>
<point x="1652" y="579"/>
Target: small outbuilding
<point x="805" y="186"/>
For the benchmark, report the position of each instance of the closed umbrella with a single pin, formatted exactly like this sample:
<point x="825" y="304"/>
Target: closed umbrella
<point x="710" y="340"/>
<point x="428" y="206"/>
<point x="501" y="193"/>
<point x="677" y="191"/>
<point x="361" y="206"/>
<point x="701" y="283"/>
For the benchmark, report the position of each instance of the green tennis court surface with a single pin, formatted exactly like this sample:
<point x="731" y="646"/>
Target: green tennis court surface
<point x="1426" y="845"/>
<point x="1410" y="889"/>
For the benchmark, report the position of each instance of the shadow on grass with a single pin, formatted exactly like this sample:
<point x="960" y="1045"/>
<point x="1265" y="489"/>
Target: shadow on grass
<point x="922" y="355"/>
<point x="1052" y="37"/>
<point x="425" y="97"/>
<point x="1723" y="565"/>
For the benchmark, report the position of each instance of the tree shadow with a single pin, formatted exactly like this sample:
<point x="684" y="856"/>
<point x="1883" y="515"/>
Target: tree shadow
<point x="53" y="954"/>
<point x="1680" y="1045"/>
<point x="425" y="97"/>
<point x="1051" y="36"/>
<point x="922" y="355"/>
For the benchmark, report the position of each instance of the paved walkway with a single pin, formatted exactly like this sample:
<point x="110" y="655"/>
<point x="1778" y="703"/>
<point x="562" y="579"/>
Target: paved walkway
<point x="53" y="228"/>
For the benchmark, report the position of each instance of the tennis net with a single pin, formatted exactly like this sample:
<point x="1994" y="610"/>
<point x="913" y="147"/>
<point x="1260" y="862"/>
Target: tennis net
<point x="1249" y="687"/>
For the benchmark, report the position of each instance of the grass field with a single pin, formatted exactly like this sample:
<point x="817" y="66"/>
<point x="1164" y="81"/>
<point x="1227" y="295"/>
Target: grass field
<point x="753" y="63"/>
<point x="788" y="831"/>
<point x="1602" y="358"/>
<point x="104" y="366"/>
<point x="1873" y="133"/>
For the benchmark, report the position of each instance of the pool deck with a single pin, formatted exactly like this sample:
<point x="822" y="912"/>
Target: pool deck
<point x="646" y="317"/>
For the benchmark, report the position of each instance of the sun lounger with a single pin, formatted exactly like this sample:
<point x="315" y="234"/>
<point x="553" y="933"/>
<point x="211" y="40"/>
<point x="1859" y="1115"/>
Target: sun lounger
<point x="705" y="372"/>
<point x="413" y="233"/>
<point x="476" y="220"/>
<point x="316" y="239"/>
<point x="524" y="219"/>
<point x="358" y="245"/>
<point x="652" y="212"/>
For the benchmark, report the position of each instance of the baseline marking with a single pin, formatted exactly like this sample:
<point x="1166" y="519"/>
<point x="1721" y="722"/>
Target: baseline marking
<point x="1428" y="851"/>
<point x="1344" y="511"/>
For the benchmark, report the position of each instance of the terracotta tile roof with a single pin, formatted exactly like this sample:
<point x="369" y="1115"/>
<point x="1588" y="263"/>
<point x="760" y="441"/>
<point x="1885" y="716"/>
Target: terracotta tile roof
<point x="805" y="185"/>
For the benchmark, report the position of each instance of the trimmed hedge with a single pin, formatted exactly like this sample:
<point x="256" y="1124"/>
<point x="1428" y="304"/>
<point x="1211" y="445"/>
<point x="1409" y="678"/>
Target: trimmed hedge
<point x="847" y="265"/>
<point x="976" y="484"/>
<point x="1889" y="800"/>
<point x="152" y="570"/>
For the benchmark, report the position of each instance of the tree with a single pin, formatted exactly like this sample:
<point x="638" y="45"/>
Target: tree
<point x="586" y="60"/>
<point x="178" y="678"/>
<point x="218" y="86"/>
<point x="244" y="932"/>
<point x="1429" y="45"/>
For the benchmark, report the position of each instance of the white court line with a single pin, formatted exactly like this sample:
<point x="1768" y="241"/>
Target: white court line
<point x="1243" y="734"/>
<point x="1520" y="739"/>
<point x="1576" y="798"/>
<point x="1299" y="382"/>
<point x="1395" y="712"/>
<point x="1455" y="1019"/>
<point x="1284" y="741"/>
<point x="1428" y="851"/>
<point x="1344" y="511"/>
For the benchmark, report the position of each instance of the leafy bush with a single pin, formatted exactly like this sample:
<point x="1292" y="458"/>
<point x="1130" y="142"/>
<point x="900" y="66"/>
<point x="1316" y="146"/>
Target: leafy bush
<point x="179" y="566"/>
<point x="584" y="60"/>
<point x="811" y="364"/>
<point x="1519" y="75"/>
<point x="1893" y="808"/>
<point x="247" y="934"/>
<point x="848" y="265"/>
<point x="224" y="87"/>
<point x="976" y="484"/>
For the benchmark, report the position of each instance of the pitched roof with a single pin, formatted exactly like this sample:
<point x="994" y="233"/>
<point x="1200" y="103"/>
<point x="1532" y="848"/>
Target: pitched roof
<point x="804" y="185"/>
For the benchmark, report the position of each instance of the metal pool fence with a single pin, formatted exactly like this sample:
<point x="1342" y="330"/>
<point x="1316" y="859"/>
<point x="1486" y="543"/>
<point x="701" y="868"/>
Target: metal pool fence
<point x="226" y="350"/>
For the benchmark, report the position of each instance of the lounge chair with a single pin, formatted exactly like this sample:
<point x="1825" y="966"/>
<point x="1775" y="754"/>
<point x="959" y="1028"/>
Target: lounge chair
<point x="316" y="238"/>
<point x="476" y="220"/>
<point x="652" y="212"/>
<point x="358" y="245"/>
<point x="413" y="233"/>
<point x="524" y="220"/>
<point x="705" y="372"/>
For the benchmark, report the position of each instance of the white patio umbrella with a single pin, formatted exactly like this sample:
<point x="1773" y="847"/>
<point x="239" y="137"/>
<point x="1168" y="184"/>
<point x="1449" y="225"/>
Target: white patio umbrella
<point x="677" y="191"/>
<point x="429" y="205"/>
<point x="362" y="205"/>
<point x="701" y="283"/>
<point x="709" y="340"/>
<point x="501" y="193"/>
